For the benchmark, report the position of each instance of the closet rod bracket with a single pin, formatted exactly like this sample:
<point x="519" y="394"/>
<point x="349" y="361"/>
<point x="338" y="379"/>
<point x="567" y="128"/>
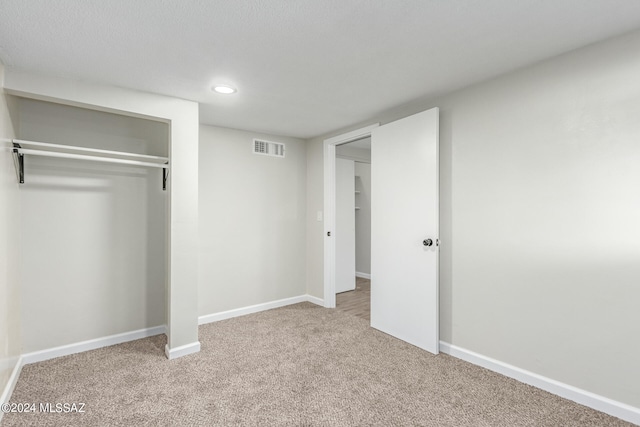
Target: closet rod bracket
<point x="165" y="175"/>
<point x="18" y="162"/>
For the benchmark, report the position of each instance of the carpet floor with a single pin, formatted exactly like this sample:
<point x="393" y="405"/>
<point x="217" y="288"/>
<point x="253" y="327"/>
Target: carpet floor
<point x="300" y="365"/>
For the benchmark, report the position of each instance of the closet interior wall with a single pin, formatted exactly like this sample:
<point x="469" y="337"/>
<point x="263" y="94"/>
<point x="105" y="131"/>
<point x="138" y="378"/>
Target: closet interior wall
<point x="94" y="242"/>
<point x="363" y="219"/>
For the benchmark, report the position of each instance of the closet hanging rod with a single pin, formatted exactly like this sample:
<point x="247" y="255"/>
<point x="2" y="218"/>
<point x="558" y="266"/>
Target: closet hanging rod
<point x="86" y="157"/>
<point x="87" y="150"/>
<point x="46" y="149"/>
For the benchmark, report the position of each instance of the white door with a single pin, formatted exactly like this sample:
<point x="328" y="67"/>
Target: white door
<point x="404" y="215"/>
<point x="345" y="226"/>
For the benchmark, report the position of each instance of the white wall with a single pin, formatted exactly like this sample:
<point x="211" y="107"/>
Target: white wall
<point x="545" y="208"/>
<point x="93" y="234"/>
<point x="10" y="329"/>
<point x="252" y="221"/>
<point x="363" y="217"/>
<point x="539" y="216"/>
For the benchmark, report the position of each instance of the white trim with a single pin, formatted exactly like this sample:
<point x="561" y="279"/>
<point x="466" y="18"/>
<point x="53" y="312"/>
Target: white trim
<point x="11" y="383"/>
<point x="600" y="403"/>
<point x="243" y="311"/>
<point x="329" y="148"/>
<point x="183" y="350"/>
<point x="315" y="300"/>
<point x="352" y="136"/>
<point x="65" y="350"/>
<point x="363" y="275"/>
<point x="329" y="224"/>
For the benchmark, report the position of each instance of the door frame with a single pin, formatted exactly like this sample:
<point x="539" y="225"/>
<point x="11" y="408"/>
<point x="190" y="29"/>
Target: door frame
<point x="329" y="148"/>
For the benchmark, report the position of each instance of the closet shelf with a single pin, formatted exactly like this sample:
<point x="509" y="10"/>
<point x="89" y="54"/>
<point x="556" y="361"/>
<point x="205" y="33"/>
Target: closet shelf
<point x="81" y="153"/>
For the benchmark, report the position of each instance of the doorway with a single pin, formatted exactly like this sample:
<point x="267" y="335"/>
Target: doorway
<point x="404" y="226"/>
<point x="330" y="207"/>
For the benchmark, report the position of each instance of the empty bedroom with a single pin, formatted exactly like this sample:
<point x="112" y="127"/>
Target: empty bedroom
<point x="320" y="213"/>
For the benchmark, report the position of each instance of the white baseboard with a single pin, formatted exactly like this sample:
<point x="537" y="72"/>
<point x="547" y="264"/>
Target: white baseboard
<point x="11" y="384"/>
<point x="363" y="275"/>
<point x="600" y="403"/>
<point x="223" y="315"/>
<point x="315" y="300"/>
<point x="183" y="350"/>
<point x="65" y="350"/>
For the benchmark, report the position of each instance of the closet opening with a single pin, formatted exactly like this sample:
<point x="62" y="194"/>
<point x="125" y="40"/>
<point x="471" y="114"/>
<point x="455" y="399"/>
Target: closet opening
<point x="93" y="233"/>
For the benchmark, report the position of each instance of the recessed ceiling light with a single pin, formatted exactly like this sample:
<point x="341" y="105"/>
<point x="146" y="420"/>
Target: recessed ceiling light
<point x="224" y="89"/>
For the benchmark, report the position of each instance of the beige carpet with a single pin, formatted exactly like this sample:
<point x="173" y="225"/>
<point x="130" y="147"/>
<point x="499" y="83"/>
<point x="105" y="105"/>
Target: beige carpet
<point x="300" y="365"/>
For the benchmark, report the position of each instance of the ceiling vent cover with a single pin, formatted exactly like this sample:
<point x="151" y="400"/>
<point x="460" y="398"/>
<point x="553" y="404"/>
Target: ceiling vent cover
<point x="268" y="148"/>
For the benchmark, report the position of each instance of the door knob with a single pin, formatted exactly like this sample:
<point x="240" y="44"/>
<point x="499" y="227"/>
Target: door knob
<point x="427" y="242"/>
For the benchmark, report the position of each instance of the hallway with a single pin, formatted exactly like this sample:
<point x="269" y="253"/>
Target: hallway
<point x="357" y="302"/>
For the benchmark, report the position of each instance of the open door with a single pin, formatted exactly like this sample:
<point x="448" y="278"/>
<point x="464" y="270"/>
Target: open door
<point x="404" y="229"/>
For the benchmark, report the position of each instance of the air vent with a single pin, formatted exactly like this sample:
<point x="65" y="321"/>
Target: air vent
<point x="268" y="148"/>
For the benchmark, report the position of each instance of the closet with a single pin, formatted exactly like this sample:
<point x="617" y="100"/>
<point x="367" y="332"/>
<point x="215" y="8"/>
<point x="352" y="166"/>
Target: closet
<point x="93" y="231"/>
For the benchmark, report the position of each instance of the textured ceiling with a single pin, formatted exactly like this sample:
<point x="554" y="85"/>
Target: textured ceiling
<point x="302" y="67"/>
